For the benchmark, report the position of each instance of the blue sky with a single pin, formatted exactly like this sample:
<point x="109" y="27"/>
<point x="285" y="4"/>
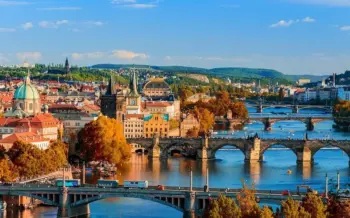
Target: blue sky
<point x="292" y="36"/>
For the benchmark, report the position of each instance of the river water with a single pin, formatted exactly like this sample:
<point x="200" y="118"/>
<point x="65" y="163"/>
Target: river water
<point x="226" y="171"/>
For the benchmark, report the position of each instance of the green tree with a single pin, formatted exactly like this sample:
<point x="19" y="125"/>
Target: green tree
<point x="223" y="207"/>
<point x="103" y="140"/>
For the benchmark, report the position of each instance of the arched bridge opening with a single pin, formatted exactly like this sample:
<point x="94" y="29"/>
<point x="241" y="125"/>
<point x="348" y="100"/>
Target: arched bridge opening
<point x="175" y="202"/>
<point x="278" y="153"/>
<point x="332" y="155"/>
<point x="234" y="152"/>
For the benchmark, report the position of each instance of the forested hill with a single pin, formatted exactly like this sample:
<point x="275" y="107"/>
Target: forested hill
<point x="223" y="72"/>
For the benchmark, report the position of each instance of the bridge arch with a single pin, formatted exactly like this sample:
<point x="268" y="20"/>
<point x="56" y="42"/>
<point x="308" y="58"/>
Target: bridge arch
<point x="164" y="200"/>
<point x="344" y="147"/>
<point x="265" y="147"/>
<point x="37" y="197"/>
<point x="239" y="146"/>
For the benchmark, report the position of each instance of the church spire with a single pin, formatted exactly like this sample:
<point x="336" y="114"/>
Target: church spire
<point x="110" y="87"/>
<point x="67" y="68"/>
<point x="27" y="81"/>
<point x="133" y="84"/>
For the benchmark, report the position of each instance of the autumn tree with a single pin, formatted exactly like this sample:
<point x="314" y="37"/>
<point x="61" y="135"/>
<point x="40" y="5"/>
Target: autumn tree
<point x="338" y="209"/>
<point x="8" y="171"/>
<point x="266" y="212"/>
<point x="205" y="118"/>
<point x="239" y="110"/>
<point x="223" y="207"/>
<point x="193" y="132"/>
<point x="281" y="94"/>
<point x="292" y="209"/>
<point x="222" y="103"/>
<point x="2" y="151"/>
<point x="174" y="124"/>
<point x="313" y="204"/>
<point x="247" y="202"/>
<point x="103" y="140"/>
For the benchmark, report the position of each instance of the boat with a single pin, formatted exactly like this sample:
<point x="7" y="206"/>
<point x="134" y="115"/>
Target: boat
<point x="289" y="171"/>
<point x="3" y="205"/>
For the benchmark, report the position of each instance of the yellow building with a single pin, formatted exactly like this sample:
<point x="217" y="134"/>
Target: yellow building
<point x="156" y="123"/>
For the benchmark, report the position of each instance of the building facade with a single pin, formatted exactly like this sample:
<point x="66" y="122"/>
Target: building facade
<point x="133" y="126"/>
<point x="156" y="123"/>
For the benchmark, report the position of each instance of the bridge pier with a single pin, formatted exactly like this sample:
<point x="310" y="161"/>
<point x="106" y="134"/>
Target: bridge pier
<point x="304" y="156"/>
<point x="155" y="152"/>
<point x="252" y="154"/>
<point x="66" y="211"/>
<point x="295" y="109"/>
<point x="190" y="205"/>
<point x="267" y="124"/>
<point x="310" y="125"/>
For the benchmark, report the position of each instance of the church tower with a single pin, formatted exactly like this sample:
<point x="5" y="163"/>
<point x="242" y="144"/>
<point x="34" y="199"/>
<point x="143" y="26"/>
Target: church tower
<point x="109" y="101"/>
<point x="133" y="100"/>
<point x="66" y="67"/>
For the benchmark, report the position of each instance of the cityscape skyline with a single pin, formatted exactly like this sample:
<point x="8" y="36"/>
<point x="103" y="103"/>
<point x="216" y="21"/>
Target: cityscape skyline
<point x="290" y="36"/>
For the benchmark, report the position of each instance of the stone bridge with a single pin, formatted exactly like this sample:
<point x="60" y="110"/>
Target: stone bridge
<point x="295" y="107"/>
<point x="253" y="148"/>
<point x="74" y="201"/>
<point x="309" y="121"/>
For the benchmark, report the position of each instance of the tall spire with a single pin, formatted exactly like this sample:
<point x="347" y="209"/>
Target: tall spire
<point x="27" y="81"/>
<point x="67" y="68"/>
<point x="133" y="84"/>
<point x="110" y="87"/>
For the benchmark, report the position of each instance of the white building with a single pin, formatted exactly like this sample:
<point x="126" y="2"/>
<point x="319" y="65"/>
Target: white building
<point x="133" y="125"/>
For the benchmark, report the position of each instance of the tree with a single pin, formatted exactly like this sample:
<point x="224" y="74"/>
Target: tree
<point x="194" y="132"/>
<point x="223" y="207"/>
<point x="206" y="119"/>
<point x="247" y="202"/>
<point x="281" y="94"/>
<point x="266" y="212"/>
<point x="8" y="171"/>
<point x="313" y="204"/>
<point x="103" y="140"/>
<point x="338" y="209"/>
<point x="2" y="151"/>
<point x="292" y="209"/>
<point x="239" y="110"/>
<point x="174" y="124"/>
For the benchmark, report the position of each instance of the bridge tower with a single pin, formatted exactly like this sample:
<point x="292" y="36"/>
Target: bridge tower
<point x="190" y="205"/>
<point x="252" y="151"/>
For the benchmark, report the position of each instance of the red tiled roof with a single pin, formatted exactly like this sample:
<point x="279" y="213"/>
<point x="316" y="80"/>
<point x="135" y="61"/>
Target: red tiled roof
<point x="25" y="136"/>
<point x="155" y="104"/>
<point x="134" y="116"/>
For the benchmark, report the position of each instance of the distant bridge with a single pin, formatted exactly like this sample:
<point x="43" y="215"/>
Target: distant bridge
<point x="72" y="202"/>
<point x="295" y="107"/>
<point x="253" y="148"/>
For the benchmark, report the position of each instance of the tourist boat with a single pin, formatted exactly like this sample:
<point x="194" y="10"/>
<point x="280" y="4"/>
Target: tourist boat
<point x="3" y="205"/>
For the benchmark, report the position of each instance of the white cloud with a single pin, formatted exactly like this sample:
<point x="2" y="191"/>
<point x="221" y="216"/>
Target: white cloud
<point x="282" y="23"/>
<point x="96" y="23"/>
<point x="27" y="25"/>
<point x="168" y="58"/>
<point x="345" y="28"/>
<point x="88" y="55"/>
<point x="13" y="3"/>
<point x="7" y="30"/>
<point x="123" y="54"/>
<point x="140" y="6"/>
<point x="29" y="56"/>
<point x="122" y="1"/>
<point x="75" y="30"/>
<point x="339" y="3"/>
<point x="60" y="9"/>
<point x="3" y="59"/>
<point x="135" y="4"/>
<point x="52" y="24"/>
<point x="309" y="20"/>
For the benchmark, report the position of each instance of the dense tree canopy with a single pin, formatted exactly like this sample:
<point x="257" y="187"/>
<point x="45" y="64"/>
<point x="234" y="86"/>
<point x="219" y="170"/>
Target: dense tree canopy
<point x="8" y="171"/>
<point x="103" y="140"/>
<point x="341" y="113"/>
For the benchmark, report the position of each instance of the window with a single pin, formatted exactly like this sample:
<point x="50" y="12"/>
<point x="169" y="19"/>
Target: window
<point x="30" y="106"/>
<point x="77" y="124"/>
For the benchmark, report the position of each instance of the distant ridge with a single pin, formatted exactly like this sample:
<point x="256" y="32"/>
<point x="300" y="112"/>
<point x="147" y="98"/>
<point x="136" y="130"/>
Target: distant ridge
<point x="222" y="72"/>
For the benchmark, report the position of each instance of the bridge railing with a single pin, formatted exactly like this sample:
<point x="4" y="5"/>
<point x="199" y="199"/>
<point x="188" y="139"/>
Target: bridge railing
<point x="56" y="174"/>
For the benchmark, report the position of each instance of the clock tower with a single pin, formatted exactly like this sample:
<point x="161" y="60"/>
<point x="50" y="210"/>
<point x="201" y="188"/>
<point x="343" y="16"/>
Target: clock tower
<point x="133" y="100"/>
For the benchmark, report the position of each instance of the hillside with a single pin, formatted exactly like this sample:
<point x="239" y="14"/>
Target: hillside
<point x="232" y="72"/>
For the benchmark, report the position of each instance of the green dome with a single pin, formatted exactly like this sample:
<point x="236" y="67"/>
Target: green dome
<point x="26" y="91"/>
